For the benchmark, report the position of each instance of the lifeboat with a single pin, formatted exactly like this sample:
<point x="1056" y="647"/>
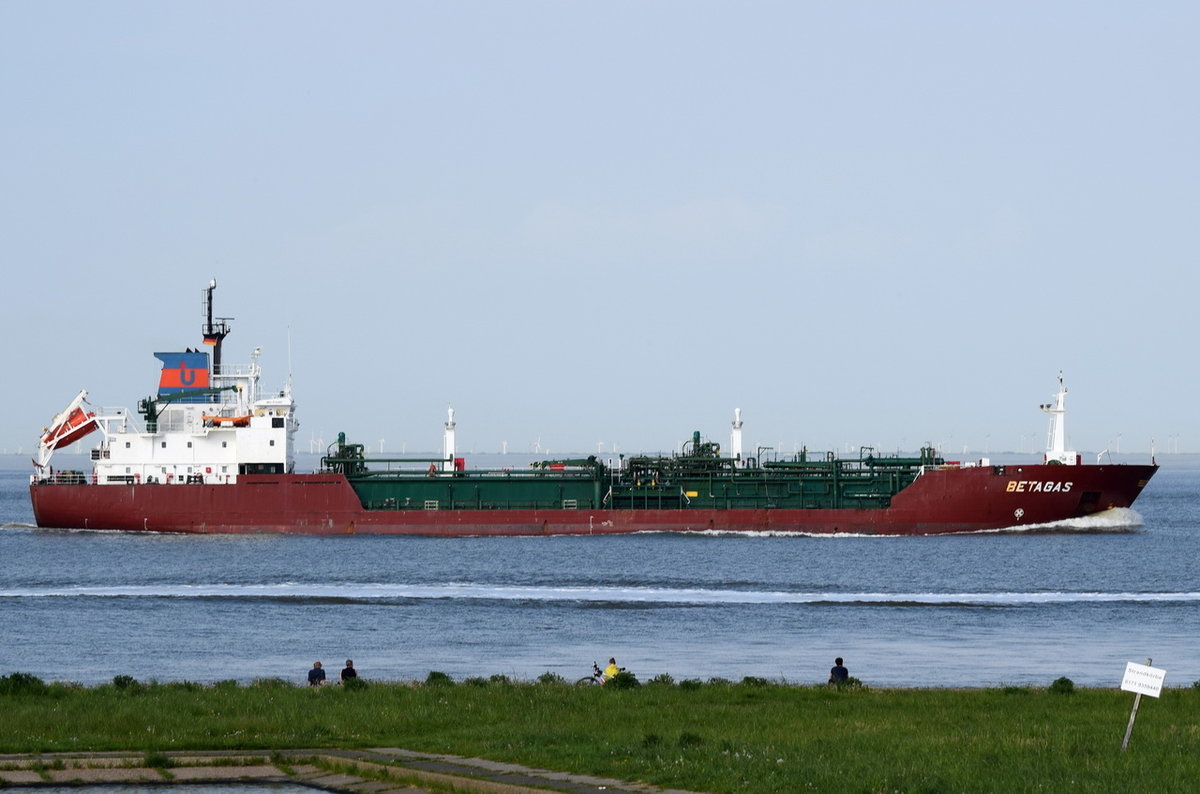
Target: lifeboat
<point x="68" y="429"/>
<point x="233" y="421"/>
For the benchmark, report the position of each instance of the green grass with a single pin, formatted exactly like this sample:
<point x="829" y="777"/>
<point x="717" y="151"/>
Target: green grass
<point x="753" y="736"/>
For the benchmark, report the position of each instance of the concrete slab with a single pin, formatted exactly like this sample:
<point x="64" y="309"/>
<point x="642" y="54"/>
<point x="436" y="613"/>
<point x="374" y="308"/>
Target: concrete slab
<point x="106" y="775"/>
<point x="439" y="771"/>
<point x="513" y="774"/>
<point x="20" y="776"/>
<point x="333" y="780"/>
<point x="207" y="759"/>
<point x="185" y="774"/>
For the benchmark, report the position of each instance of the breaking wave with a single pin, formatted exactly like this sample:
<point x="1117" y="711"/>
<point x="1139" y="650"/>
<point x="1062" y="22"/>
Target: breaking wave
<point x="1118" y="519"/>
<point x="382" y="593"/>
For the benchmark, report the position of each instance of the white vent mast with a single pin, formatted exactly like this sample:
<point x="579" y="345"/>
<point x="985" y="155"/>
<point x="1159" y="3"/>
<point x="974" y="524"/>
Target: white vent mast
<point x="1056" y="441"/>
<point x="735" y="438"/>
<point x="448" y="442"/>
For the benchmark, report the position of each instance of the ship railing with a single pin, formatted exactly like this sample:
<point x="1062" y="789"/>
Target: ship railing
<point x="517" y="474"/>
<point x="940" y="466"/>
<point x="109" y="415"/>
<point x="244" y="375"/>
<point x="236" y="372"/>
<point x="474" y="504"/>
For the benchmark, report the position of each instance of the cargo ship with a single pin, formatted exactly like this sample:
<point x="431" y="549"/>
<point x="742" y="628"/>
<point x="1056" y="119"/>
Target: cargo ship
<point x="212" y="452"/>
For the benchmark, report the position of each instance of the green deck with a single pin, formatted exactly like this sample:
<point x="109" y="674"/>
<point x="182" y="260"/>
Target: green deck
<point x="697" y="479"/>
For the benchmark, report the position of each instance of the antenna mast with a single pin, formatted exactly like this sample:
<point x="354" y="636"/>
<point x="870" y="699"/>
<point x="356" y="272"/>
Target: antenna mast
<point x="214" y="332"/>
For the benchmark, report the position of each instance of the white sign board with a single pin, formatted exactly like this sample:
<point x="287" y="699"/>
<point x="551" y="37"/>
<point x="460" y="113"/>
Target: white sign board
<point x="1143" y="679"/>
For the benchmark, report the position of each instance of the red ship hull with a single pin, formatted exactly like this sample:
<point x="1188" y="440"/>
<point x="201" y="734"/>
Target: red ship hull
<point x="940" y="501"/>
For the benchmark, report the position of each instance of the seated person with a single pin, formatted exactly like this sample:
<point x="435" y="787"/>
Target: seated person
<point x="838" y="674"/>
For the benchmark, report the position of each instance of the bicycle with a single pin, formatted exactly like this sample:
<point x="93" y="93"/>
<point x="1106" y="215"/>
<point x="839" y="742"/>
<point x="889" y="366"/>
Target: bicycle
<point x="595" y="679"/>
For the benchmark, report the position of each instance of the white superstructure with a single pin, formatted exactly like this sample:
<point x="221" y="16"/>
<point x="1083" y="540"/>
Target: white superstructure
<point x="209" y="423"/>
<point x="1056" y="441"/>
<point x="244" y="433"/>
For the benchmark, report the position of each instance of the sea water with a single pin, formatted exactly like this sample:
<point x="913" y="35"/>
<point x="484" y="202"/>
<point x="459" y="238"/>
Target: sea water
<point x="984" y="609"/>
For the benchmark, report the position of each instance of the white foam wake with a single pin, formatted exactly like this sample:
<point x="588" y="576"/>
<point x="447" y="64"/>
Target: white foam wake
<point x="610" y="594"/>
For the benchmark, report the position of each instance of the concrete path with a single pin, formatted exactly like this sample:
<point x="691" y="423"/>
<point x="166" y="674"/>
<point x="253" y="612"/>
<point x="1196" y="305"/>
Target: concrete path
<point x="375" y="771"/>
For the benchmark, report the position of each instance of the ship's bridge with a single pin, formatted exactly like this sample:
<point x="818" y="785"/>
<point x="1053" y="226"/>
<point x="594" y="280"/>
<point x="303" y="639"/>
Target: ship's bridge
<point x="235" y="431"/>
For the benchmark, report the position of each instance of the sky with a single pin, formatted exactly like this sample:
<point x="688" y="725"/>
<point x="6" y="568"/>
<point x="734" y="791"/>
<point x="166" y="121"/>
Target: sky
<point x="595" y="224"/>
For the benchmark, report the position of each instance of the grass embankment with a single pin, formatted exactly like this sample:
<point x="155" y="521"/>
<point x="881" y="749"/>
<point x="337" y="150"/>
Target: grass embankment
<point x="717" y="736"/>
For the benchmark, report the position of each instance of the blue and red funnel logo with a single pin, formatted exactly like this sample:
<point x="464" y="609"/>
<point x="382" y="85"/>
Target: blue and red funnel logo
<point x="183" y="372"/>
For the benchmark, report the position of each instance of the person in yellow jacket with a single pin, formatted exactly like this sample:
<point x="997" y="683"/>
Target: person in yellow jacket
<point x="612" y="669"/>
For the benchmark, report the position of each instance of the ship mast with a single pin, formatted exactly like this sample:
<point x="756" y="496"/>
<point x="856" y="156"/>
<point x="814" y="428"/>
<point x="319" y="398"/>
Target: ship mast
<point x="214" y="332"/>
<point x="735" y="438"/>
<point x="1056" y="441"/>
<point x="448" y="442"/>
